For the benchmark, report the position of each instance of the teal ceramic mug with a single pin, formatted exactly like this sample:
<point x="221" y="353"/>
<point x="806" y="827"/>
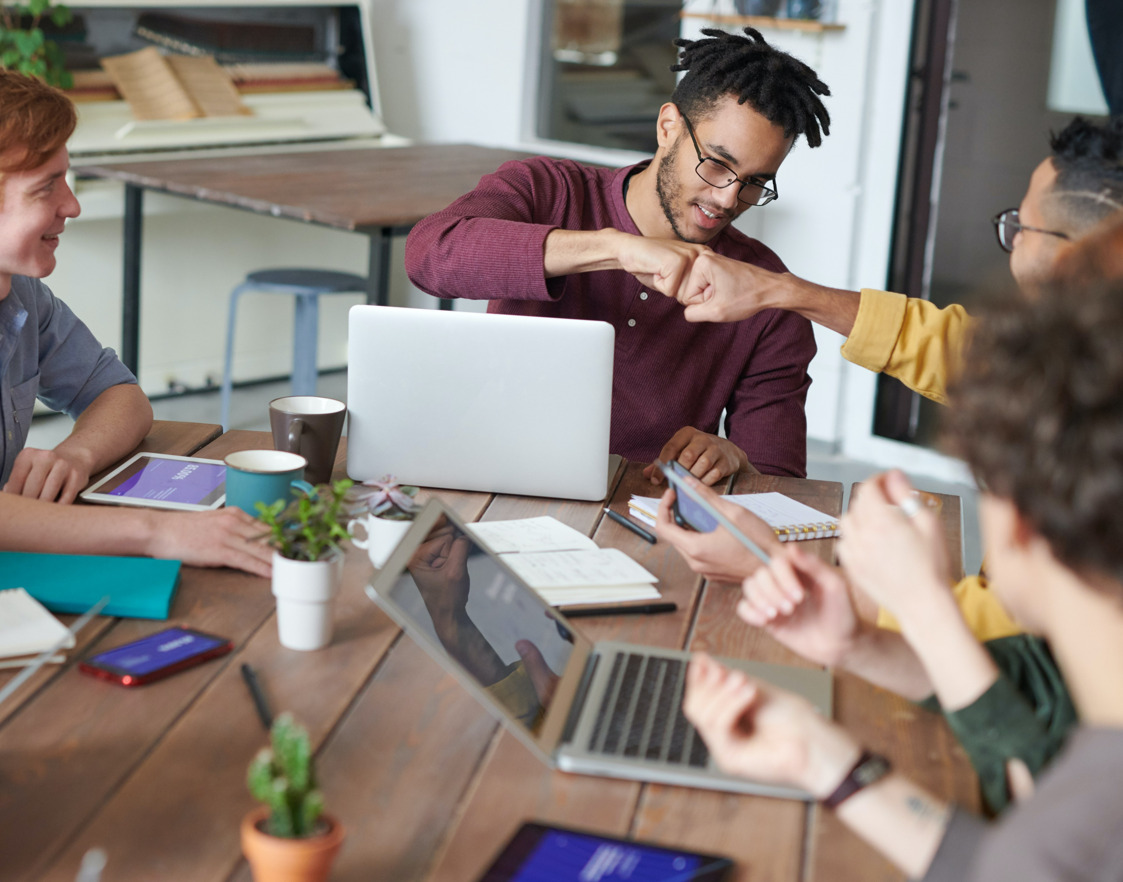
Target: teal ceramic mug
<point x="264" y="476"/>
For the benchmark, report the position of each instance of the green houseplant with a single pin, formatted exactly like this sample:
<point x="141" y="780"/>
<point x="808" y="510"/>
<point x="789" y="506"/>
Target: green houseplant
<point x="305" y="534"/>
<point x="290" y="830"/>
<point x="25" y="47"/>
<point x="311" y="525"/>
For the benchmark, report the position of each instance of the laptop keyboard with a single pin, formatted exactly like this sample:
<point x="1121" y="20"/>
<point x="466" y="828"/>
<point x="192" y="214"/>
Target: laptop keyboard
<point x="640" y="716"/>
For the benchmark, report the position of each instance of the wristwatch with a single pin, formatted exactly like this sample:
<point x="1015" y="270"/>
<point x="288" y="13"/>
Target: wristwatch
<point x="869" y="768"/>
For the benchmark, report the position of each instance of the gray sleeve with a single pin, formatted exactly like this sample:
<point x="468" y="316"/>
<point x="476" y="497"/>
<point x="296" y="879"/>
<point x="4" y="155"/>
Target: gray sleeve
<point x="74" y="368"/>
<point x="956" y="853"/>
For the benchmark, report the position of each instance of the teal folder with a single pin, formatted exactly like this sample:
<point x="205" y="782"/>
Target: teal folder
<point x="137" y="587"/>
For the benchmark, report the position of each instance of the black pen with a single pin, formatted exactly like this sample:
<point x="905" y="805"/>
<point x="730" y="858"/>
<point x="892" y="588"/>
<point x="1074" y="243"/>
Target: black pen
<point x="258" y="696"/>
<point x="631" y="525"/>
<point x="634" y="609"/>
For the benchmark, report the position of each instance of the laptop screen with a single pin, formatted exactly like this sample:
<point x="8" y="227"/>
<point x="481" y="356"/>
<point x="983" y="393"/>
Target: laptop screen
<point x="502" y="634"/>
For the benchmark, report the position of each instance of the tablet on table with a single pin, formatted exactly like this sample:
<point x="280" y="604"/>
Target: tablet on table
<point x="160" y="480"/>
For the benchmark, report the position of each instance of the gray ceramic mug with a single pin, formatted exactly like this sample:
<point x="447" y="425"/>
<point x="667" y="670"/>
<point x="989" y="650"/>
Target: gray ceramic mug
<point x="311" y="426"/>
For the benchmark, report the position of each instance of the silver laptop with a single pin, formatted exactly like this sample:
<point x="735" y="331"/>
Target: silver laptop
<point x="471" y="401"/>
<point x="609" y="709"/>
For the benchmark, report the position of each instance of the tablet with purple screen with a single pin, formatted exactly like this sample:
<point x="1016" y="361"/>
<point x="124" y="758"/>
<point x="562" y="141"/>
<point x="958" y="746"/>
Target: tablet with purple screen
<point x="160" y="480"/>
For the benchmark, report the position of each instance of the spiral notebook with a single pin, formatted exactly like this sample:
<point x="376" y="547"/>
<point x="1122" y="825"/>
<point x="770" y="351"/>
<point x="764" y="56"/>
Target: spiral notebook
<point x="792" y="521"/>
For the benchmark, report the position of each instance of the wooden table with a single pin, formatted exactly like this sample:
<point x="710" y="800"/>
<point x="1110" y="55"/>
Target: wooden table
<point x="376" y="191"/>
<point x="427" y="784"/>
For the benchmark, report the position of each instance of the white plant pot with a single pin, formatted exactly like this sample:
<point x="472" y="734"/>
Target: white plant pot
<point x="305" y="592"/>
<point x="382" y="537"/>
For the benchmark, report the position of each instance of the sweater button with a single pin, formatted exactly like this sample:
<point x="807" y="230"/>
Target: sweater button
<point x="631" y="323"/>
<point x="642" y="295"/>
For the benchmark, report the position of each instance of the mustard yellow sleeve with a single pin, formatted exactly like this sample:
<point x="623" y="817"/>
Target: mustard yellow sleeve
<point x="516" y="693"/>
<point x="910" y="339"/>
<point x="985" y="616"/>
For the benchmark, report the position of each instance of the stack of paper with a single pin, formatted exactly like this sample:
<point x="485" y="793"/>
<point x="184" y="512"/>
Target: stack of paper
<point x="790" y="520"/>
<point x="564" y="566"/>
<point x="27" y="629"/>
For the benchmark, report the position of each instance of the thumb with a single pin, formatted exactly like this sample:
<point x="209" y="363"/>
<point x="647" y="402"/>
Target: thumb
<point x="541" y="677"/>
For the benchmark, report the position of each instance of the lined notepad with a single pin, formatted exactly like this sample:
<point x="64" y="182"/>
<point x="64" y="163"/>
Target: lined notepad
<point x="565" y="566"/>
<point x="789" y="519"/>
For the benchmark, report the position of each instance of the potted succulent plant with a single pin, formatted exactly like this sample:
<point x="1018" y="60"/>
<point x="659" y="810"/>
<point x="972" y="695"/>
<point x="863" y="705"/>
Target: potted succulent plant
<point x="289" y="837"/>
<point x="24" y="46"/>
<point x="307" y="561"/>
<point x="390" y="509"/>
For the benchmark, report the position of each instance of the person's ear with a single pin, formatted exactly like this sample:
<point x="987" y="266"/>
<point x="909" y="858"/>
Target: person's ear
<point x="667" y="125"/>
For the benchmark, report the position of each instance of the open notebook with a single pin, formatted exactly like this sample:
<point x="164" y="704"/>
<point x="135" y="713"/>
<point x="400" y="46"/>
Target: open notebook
<point x="791" y="520"/>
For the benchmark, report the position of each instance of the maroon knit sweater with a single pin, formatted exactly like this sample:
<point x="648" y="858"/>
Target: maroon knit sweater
<point x="668" y="373"/>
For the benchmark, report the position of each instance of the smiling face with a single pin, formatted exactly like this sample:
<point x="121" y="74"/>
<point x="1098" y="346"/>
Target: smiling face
<point x="738" y="136"/>
<point x="33" y="212"/>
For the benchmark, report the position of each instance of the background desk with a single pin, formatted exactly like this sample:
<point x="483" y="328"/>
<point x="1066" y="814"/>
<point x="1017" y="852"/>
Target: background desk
<point x="375" y="191"/>
<point x="427" y="784"/>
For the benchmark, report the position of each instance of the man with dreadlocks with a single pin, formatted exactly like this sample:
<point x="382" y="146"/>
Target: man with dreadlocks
<point x="551" y="237"/>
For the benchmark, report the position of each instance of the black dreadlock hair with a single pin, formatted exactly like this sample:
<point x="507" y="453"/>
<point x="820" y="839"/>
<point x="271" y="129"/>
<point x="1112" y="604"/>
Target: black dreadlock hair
<point x="775" y="84"/>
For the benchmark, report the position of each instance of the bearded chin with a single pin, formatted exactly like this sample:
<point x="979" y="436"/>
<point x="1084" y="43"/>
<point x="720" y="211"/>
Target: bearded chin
<point x="667" y="188"/>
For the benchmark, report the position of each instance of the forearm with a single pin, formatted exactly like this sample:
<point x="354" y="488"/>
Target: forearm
<point x="581" y="251"/>
<point x="833" y="308"/>
<point x="459" y="634"/>
<point x="899" y="819"/>
<point x="959" y="667"/>
<point x="46" y="527"/>
<point x="885" y="659"/>
<point x="113" y="424"/>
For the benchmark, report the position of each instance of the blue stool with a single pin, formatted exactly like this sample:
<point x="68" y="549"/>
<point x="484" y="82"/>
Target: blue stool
<point x="306" y="285"/>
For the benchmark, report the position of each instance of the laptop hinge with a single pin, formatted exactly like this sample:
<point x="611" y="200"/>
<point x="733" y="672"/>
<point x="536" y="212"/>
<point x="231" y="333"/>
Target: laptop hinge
<point x="579" y="696"/>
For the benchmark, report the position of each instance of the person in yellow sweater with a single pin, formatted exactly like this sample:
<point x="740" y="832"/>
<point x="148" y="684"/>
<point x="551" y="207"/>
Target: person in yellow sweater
<point x="1070" y="192"/>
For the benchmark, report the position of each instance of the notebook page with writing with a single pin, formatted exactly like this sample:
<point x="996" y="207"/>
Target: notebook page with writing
<point x="790" y="520"/>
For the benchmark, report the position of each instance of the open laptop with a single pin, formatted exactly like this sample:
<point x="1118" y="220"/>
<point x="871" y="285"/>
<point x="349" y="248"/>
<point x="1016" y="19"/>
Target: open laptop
<point x="472" y="401"/>
<point x="610" y="709"/>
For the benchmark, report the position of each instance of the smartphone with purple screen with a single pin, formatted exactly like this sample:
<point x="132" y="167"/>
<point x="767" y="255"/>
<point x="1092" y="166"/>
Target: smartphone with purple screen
<point x="543" y="853"/>
<point x="155" y="656"/>
<point x="687" y="513"/>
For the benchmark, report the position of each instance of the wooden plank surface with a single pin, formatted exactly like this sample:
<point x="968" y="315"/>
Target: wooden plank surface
<point x="423" y="778"/>
<point x="345" y="189"/>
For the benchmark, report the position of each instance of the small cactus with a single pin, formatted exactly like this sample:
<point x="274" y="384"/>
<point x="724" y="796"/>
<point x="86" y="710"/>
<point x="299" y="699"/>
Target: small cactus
<point x="282" y="776"/>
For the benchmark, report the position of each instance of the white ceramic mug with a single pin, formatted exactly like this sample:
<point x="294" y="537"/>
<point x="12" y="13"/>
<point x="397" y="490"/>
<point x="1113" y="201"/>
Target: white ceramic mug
<point x="381" y="536"/>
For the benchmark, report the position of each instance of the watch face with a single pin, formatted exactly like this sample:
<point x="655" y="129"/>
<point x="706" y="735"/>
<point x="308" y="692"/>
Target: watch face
<point x="873" y="769"/>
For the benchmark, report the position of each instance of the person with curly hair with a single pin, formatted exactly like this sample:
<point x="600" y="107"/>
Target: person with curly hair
<point x="1038" y="416"/>
<point x="552" y="237"/>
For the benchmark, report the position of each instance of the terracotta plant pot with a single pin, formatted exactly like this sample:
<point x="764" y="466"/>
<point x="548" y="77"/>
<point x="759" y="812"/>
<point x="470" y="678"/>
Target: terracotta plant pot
<point x="273" y="859"/>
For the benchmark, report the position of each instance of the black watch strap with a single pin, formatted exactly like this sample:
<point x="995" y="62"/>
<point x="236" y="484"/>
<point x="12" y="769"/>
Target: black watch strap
<point x="869" y="768"/>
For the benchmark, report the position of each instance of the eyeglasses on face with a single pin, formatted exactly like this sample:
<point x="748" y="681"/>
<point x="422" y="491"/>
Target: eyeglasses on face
<point x="1007" y="226"/>
<point x="753" y="190"/>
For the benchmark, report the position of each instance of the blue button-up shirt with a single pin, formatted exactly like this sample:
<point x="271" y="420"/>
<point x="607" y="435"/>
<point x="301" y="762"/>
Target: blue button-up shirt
<point x="46" y="352"/>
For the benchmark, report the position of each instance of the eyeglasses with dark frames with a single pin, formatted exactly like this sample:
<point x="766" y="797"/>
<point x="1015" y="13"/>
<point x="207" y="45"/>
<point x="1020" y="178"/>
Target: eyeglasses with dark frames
<point x="753" y="190"/>
<point x="1007" y="226"/>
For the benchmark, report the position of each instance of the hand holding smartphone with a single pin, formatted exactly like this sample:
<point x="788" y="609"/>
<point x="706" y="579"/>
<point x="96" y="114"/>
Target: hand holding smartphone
<point x="687" y="513"/>
<point x="692" y="512"/>
<point x="156" y="656"/>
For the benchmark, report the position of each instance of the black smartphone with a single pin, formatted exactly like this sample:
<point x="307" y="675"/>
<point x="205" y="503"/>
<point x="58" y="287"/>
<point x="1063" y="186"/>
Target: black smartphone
<point x="687" y="513"/>
<point x="155" y="656"/>
<point x="544" y="853"/>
